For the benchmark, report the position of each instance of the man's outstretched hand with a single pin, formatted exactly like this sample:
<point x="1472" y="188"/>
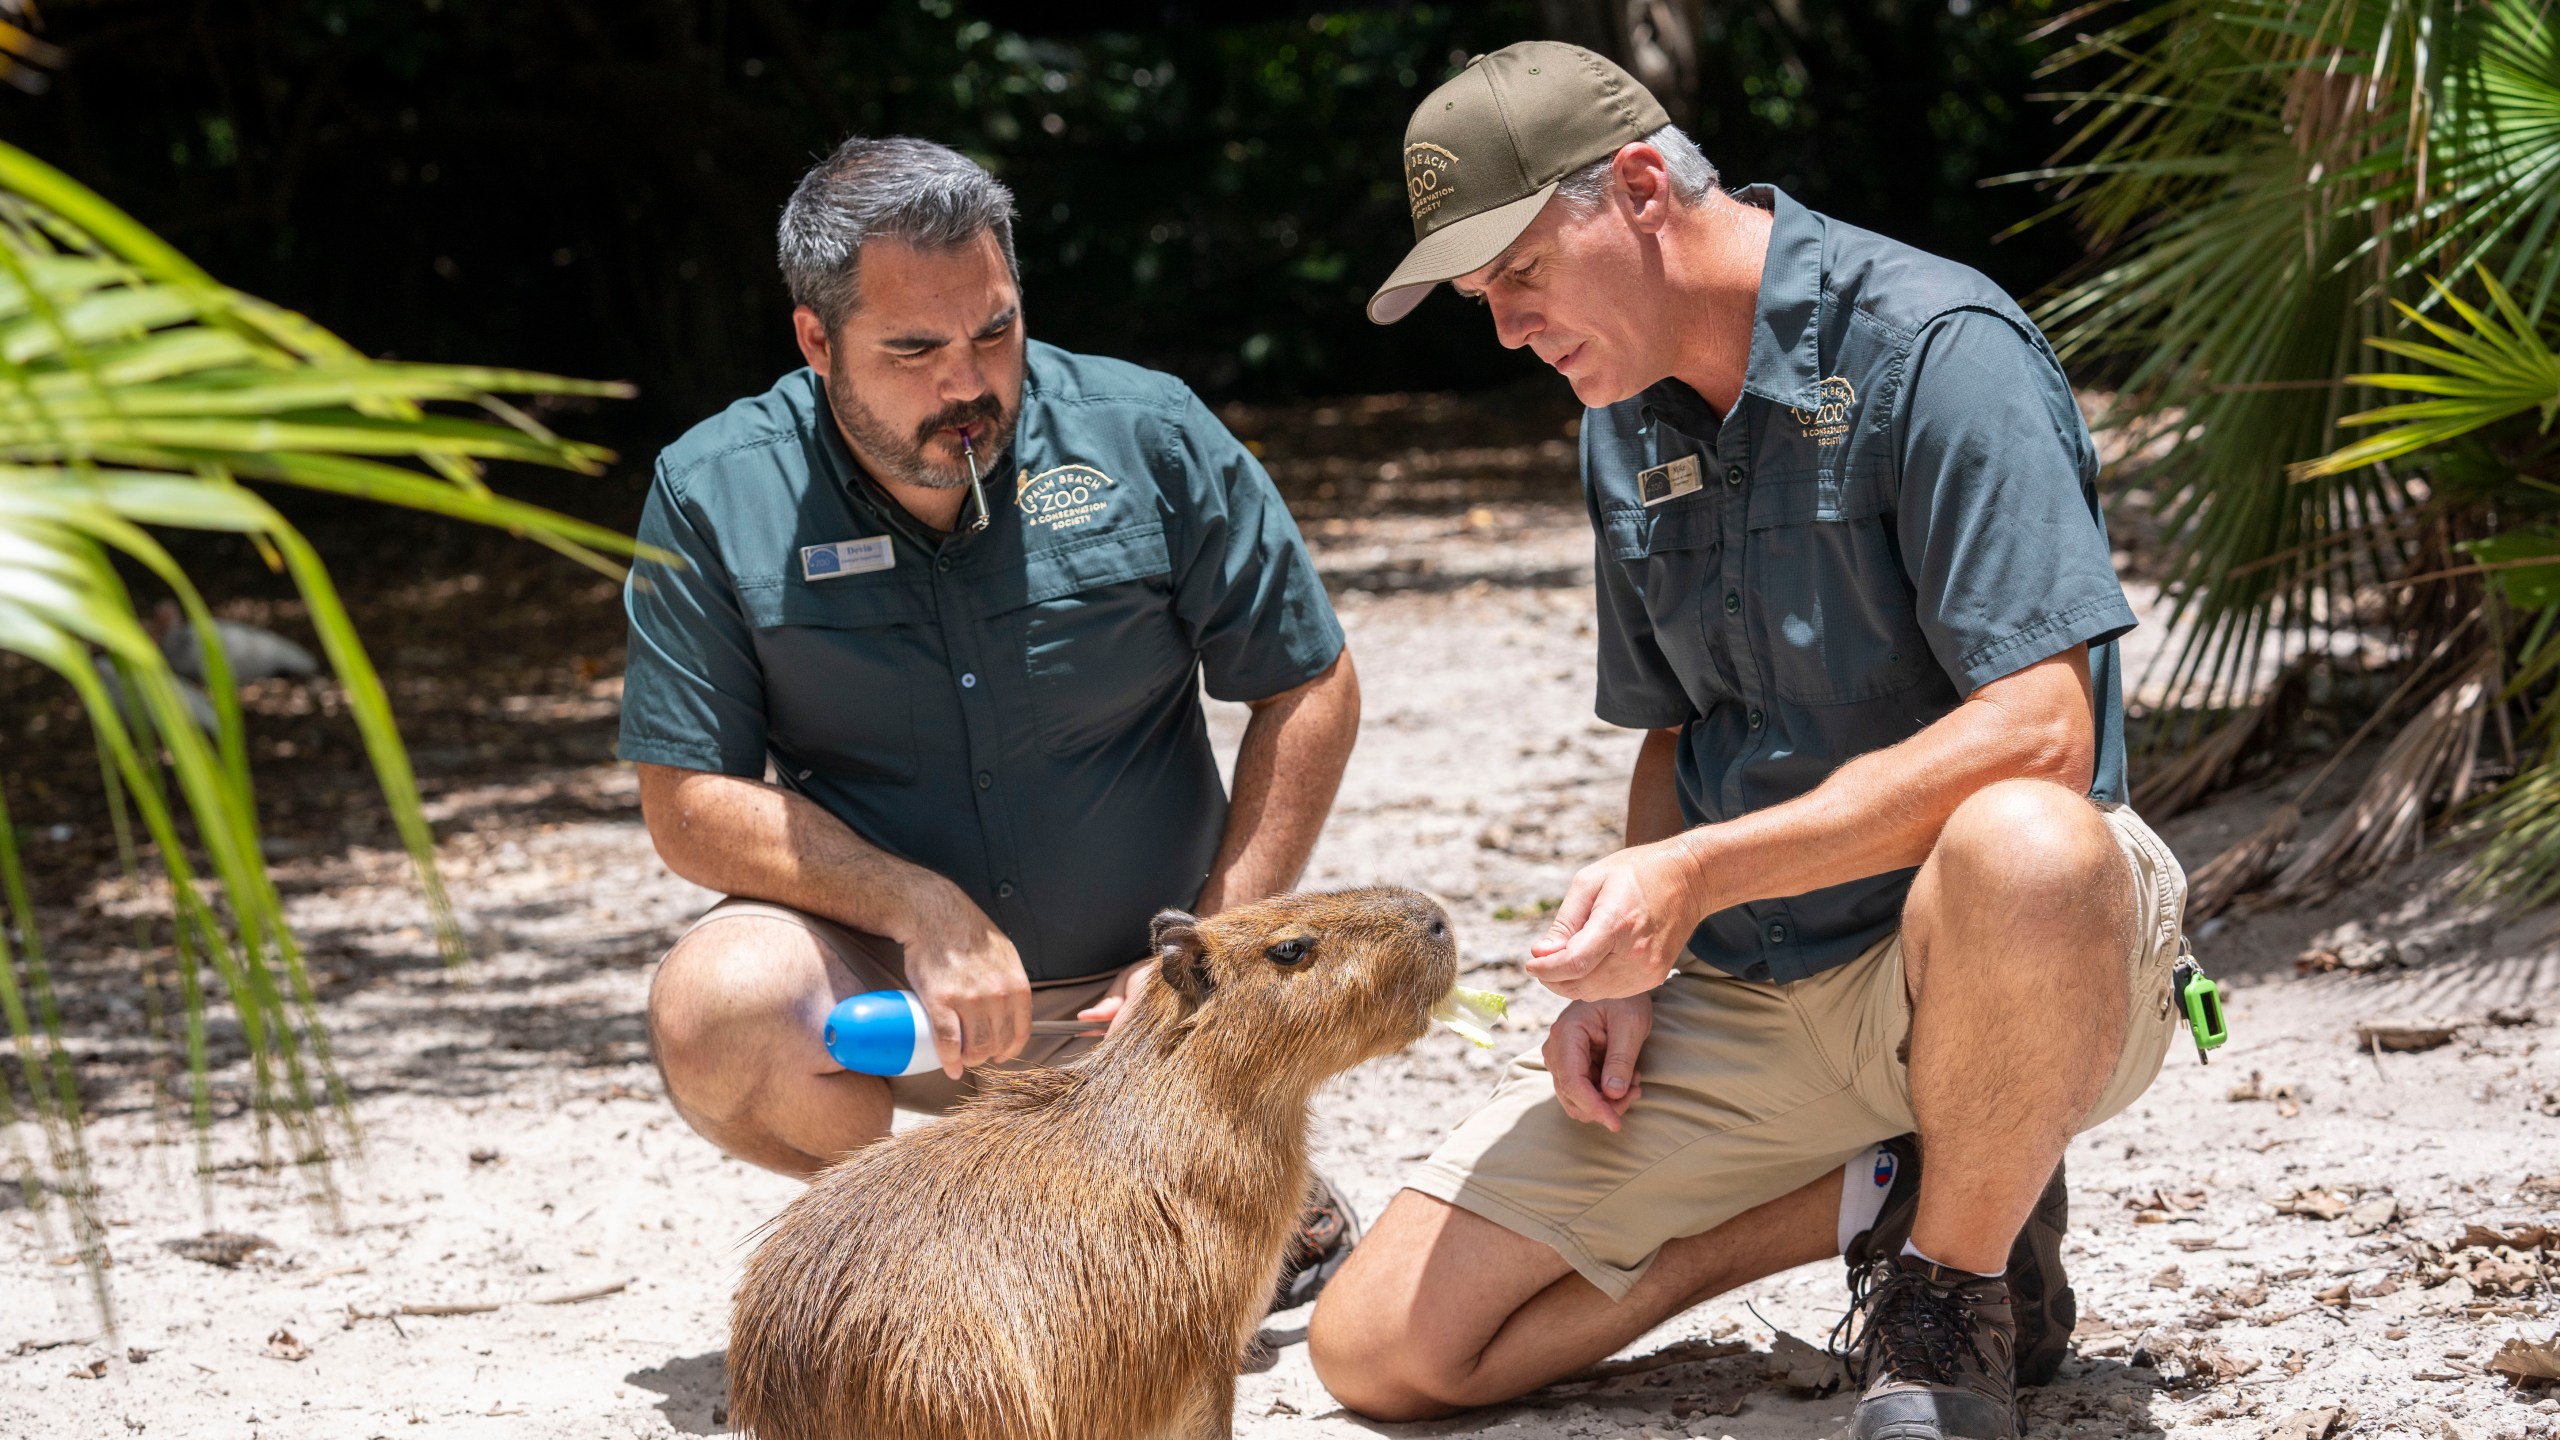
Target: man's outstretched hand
<point x="1114" y="1004"/>
<point x="1622" y="925"/>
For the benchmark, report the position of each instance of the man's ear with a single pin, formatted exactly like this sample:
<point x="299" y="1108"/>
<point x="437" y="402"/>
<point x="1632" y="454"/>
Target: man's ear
<point x="1182" y="958"/>
<point x="816" y="345"/>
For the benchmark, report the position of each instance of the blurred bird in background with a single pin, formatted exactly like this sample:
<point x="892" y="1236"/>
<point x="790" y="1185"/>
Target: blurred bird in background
<point x="255" y="654"/>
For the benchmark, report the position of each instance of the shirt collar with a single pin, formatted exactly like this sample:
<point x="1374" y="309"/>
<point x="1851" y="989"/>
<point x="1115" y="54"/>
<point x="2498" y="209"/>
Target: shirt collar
<point x="1785" y="367"/>
<point x="863" y="490"/>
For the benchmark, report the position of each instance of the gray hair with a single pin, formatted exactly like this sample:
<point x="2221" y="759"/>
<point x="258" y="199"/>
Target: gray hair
<point x="1692" y="176"/>
<point x="899" y="188"/>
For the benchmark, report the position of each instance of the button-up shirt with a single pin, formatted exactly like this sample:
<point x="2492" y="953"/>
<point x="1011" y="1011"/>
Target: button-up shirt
<point x="1900" y="509"/>
<point x="1017" y="710"/>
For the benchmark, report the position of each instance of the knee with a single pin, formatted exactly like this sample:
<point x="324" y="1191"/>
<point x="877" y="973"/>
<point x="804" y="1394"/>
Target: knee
<point x="2031" y="840"/>
<point x="1365" y="1360"/>
<point x="1366" y="1371"/>
<point x="719" y="1010"/>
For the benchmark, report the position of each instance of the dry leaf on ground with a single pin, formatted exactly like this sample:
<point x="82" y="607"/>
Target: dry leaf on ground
<point x="2403" y="1036"/>
<point x="1800" y="1366"/>
<point x="2523" y="1237"/>
<point x="226" y="1248"/>
<point x="94" y="1370"/>
<point x="2315" y="1204"/>
<point x="2371" y="1215"/>
<point x="283" y="1346"/>
<point x="2528" y="1362"/>
<point x="2306" y="1425"/>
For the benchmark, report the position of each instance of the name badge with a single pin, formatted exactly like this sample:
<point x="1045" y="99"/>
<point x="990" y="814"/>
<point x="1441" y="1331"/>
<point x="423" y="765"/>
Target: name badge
<point x="852" y="557"/>
<point x="1668" y="482"/>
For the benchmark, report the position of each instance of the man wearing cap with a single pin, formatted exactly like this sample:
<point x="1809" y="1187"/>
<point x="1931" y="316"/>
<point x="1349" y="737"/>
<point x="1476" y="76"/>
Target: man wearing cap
<point x="924" y="698"/>
<point x="1879" y="877"/>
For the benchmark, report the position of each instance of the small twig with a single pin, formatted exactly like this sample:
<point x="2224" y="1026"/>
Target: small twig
<point x="2375" y="1037"/>
<point x="319" y="1276"/>
<point x="474" y="1307"/>
<point x="575" y="1297"/>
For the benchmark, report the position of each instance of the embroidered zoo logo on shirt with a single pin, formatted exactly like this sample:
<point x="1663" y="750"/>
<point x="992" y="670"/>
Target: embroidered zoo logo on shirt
<point x="1065" y="498"/>
<point x="1428" y="176"/>
<point x="1828" y="423"/>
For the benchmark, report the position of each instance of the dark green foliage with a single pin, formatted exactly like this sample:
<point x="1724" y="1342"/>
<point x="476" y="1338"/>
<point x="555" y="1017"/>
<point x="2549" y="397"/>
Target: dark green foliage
<point x="591" y="187"/>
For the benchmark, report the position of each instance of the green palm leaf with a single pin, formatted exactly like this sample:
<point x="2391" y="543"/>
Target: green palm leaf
<point x="2263" y="184"/>
<point x="2496" y="369"/>
<point x="138" y="393"/>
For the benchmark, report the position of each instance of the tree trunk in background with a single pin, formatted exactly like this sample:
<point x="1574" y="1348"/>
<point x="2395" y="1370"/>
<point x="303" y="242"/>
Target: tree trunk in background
<point x="1657" y="40"/>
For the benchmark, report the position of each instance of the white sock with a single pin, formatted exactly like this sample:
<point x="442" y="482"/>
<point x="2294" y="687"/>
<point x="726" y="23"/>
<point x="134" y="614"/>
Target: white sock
<point x="1864" y="1182"/>
<point x="1917" y="1253"/>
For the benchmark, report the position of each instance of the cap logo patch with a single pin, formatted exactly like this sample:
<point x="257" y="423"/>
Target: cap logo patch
<point x="1827" y="424"/>
<point x="1067" y="498"/>
<point x="1430" y="177"/>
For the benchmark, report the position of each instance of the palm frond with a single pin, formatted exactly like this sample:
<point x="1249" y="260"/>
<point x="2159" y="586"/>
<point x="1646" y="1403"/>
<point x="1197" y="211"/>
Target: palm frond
<point x="2497" y="368"/>
<point x="138" y="393"/>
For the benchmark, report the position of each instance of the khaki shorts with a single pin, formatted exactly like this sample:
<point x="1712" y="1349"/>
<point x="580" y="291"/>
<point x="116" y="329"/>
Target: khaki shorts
<point x="1750" y="1091"/>
<point x="876" y="962"/>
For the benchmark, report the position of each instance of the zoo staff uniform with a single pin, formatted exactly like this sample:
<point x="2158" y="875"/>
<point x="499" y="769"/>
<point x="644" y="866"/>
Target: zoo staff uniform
<point x="1900" y="509"/>
<point x="1016" y="710"/>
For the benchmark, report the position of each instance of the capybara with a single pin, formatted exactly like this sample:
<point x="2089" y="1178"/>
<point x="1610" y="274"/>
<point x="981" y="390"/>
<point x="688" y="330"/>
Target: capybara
<point x="1083" y="1253"/>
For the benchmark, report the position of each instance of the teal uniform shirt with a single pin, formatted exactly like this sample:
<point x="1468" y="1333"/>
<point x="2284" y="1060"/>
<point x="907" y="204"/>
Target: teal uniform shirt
<point x="1900" y="509"/>
<point x="1016" y="710"/>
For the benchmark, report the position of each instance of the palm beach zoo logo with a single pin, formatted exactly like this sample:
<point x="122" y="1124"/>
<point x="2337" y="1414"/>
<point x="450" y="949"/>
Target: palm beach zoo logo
<point x="1429" y="177"/>
<point x="1827" y="424"/>
<point x="1065" y="498"/>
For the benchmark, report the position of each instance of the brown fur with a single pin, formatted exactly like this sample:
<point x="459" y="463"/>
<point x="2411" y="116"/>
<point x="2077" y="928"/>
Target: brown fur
<point x="1083" y="1253"/>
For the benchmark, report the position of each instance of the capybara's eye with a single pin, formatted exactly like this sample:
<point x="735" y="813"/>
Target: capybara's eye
<point x="1290" y="952"/>
<point x="1439" y="927"/>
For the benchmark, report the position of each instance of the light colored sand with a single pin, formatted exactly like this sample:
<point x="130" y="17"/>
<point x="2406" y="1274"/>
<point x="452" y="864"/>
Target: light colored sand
<point x="1480" y="776"/>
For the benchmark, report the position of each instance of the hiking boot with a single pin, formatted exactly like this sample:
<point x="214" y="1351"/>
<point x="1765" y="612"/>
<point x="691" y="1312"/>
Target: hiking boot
<point x="1933" y="1355"/>
<point x="2039" y="1290"/>
<point x="1327" y="1229"/>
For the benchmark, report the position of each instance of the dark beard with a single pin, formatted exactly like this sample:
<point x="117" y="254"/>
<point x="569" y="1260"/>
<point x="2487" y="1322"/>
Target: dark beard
<point x="902" y="457"/>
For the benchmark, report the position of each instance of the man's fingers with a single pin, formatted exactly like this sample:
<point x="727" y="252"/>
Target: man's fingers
<point x="1571" y="914"/>
<point x="1569" y="1054"/>
<point x="1618" y="1067"/>
<point x="949" y="1036"/>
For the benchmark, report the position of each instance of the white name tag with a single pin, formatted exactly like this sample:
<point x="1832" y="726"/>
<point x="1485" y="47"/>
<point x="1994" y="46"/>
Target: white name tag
<point x="1668" y="482"/>
<point x="852" y="557"/>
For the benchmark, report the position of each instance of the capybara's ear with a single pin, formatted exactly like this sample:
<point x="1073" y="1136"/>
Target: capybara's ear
<point x="1182" y="957"/>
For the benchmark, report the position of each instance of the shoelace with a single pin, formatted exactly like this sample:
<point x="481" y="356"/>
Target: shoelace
<point x="1923" y="1332"/>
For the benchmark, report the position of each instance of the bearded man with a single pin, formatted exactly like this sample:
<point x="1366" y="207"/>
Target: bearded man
<point x="923" y="700"/>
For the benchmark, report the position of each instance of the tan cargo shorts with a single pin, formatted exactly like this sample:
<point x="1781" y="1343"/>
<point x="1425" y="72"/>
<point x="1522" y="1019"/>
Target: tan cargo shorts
<point x="1750" y="1091"/>
<point x="875" y="962"/>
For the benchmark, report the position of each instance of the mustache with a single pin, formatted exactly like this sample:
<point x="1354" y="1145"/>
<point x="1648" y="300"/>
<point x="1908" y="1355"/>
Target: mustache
<point x="952" y="417"/>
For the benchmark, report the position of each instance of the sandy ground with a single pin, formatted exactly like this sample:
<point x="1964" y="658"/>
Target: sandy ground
<point x="517" y="1149"/>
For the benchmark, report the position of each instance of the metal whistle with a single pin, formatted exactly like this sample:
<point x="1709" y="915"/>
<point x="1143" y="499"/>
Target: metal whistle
<point x="977" y="487"/>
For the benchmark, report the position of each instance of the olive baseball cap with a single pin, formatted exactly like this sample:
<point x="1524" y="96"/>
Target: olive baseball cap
<point x="1485" y="151"/>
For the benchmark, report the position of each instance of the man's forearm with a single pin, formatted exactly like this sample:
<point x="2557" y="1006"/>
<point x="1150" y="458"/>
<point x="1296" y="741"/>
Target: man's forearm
<point x="1288" y="767"/>
<point x="1883" y="810"/>
<point x="744" y="837"/>
<point x="1653" y="791"/>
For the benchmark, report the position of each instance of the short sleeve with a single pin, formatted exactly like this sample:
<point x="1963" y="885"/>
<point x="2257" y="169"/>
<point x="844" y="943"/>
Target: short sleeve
<point x="692" y="692"/>
<point x="1637" y="689"/>
<point x="1997" y="517"/>
<point x="1245" y="588"/>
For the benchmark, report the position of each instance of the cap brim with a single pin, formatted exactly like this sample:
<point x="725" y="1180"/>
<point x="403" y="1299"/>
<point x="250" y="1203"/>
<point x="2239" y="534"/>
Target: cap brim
<point x="1460" y="248"/>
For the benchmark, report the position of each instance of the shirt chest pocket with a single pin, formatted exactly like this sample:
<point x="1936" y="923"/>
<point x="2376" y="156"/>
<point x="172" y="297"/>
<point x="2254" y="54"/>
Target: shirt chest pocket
<point x="1673" y="554"/>
<point x="841" y="660"/>
<point x="1838" y="619"/>
<point x="1102" y="648"/>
